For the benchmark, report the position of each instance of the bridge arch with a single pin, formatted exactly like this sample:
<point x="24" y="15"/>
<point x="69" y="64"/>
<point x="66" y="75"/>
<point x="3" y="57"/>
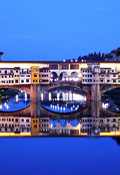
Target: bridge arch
<point x="63" y="76"/>
<point x="53" y="76"/>
<point x="74" y="76"/>
<point x="30" y="89"/>
<point x="108" y="87"/>
<point x="24" y="88"/>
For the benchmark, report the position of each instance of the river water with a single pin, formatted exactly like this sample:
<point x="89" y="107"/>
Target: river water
<point x="77" y="137"/>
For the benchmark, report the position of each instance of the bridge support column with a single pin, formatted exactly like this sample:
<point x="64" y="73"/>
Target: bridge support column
<point x="33" y="109"/>
<point x="38" y="92"/>
<point x="95" y="92"/>
<point x="35" y="94"/>
<point x="95" y="109"/>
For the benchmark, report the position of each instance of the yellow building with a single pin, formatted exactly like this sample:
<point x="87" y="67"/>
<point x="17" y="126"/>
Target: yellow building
<point x="35" y="74"/>
<point x="35" y="126"/>
<point x="16" y="72"/>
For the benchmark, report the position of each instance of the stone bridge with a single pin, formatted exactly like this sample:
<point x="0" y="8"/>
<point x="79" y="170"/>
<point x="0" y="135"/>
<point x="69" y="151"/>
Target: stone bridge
<point x="93" y="91"/>
<point x="98" y="89"/>
<point x="106" y="87"/>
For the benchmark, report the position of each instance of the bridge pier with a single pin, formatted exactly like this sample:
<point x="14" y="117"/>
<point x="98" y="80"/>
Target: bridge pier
<point x="95" y="92"/>
<point x="35" y="94"/>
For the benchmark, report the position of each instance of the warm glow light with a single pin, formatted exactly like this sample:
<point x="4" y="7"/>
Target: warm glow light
<point x="25" y="96"/>
<point x="0" y="106"/>
<point x="50" y="96"/>
<point x="42" y="97"/>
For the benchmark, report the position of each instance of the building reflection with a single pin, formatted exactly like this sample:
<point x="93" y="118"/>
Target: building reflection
<point x="92" y="121"/>
<point x="86" y="126"/>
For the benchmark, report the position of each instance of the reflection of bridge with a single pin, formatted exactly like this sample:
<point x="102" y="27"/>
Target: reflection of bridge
<point x="93" y="109"/>
<point x="29" y="111"/>
<point x="93" y="121"/>
<point x="68" y="129"/>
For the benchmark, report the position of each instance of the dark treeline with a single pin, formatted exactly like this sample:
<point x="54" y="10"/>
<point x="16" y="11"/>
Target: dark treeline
<point x="91" y="57"/>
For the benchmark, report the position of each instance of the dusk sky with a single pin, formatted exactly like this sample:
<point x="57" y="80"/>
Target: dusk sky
<point x="58" y="29"/>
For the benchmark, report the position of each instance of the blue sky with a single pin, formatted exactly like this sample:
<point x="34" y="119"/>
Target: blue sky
<point x="58" y="29"/>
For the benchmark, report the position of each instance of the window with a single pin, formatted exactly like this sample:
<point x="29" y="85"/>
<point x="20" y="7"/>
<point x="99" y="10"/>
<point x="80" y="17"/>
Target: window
<point x="16" y="81"/>
<point x="74" y="66"/>
<point x="27" y="80"/>
<point x="44" y="81"/>
<point x="22" y="81"/>
<point x="35" y="75"/>
<point x="54" y="66"/>
<point x="114" y="75"/>
<point x="114" y="81"/>
<point x="107" y="75"/>
<point x="5" y="71"/>
<point x="44" y="75"/>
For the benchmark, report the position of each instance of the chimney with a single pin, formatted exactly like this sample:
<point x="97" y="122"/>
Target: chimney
<point x="0" y="55"/>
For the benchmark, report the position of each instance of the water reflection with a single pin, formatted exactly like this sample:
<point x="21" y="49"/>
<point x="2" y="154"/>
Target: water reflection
<point x="18" y="102"/>
<point x="63" y="100"/>
<point x="95" y="120"/>
<point x="111" y="103"/>
<point x="45" y="126"/>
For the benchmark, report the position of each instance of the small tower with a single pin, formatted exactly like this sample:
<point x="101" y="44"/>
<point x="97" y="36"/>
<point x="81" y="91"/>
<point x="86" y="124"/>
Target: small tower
<point x="0" y="55"/>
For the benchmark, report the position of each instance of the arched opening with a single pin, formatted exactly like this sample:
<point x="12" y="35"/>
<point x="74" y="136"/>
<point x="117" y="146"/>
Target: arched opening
<point x="13" y="100"/>
<point x="63" y="76"/>
<point x="74" y="76"/>
<point x="111" y="99"/>
<point x="53" y="76"/>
